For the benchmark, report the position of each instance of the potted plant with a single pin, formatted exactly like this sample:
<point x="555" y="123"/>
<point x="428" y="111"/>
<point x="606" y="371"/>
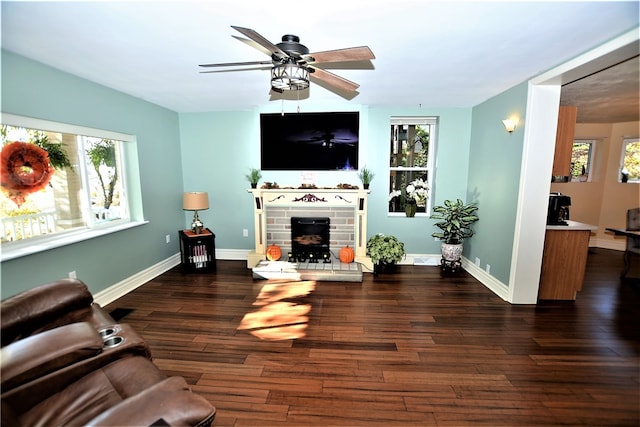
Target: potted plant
<point x="254" y="176"/>
<point x="385" y="251"/>
<point x="416" y="195"/>
<point x="366" y="176"/>
<point x="455" y="219"/>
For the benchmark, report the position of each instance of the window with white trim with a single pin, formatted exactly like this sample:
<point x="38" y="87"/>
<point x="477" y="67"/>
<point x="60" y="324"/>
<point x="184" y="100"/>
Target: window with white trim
<point x="411" y="160"/>
<point x="630" y="163"/>
<point x="59" y="179"/>
<point x="582" y="156"/>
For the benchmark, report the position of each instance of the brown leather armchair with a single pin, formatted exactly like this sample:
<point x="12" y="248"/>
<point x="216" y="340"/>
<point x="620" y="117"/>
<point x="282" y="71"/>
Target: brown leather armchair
<point x="60" y="356"/>
<point x="48" y="306"/>
<point x="64" y="361"/>
<point x="129" y="391"/>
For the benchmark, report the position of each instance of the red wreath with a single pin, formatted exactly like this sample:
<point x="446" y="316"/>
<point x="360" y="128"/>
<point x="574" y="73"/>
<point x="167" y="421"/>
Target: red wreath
<point x="25" y="169"/>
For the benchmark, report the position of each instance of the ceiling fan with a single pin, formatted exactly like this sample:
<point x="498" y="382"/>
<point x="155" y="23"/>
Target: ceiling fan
<point x="292" y="66"/>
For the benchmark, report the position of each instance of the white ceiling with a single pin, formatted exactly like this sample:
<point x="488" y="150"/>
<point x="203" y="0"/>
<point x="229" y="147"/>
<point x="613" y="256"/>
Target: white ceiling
<point x="428" y="53"/>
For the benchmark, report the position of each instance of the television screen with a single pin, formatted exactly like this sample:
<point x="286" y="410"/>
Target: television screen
<point x="309" y="141"/>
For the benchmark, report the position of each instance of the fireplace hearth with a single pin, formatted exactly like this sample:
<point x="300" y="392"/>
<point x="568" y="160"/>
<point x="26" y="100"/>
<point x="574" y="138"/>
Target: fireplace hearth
<point x="310" y="239"/>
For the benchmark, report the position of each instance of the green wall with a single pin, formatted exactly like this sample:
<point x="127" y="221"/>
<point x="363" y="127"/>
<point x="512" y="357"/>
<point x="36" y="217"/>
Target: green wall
<point x="450" y="180"/>
<point x="494" y="179"/>
<point x="34" y="90"/>
<point x="216" y="154"/>
<point x="218" y="148"/>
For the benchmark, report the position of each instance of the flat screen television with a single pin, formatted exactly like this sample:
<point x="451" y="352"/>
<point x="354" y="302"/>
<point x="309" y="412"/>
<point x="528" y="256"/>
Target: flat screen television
<point x="309" y="141"/>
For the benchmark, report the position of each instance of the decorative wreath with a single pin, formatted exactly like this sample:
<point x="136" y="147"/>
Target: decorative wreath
<point x="24" y="169"/>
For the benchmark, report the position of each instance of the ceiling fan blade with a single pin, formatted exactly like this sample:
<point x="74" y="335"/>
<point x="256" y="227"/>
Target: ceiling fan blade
<point x="362" y="53"/>
<point x="236" y="69"/>
<point x="333" y="80"/>
<point x="253" y="44"/>
<point x="275" y="50"/>
<point x="236" y="64"/>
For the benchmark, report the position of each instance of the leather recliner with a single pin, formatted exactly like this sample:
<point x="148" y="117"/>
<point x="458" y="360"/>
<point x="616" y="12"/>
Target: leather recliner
<point x="64" y="361"/>
<point x="127" y="392"/>
<point x="48" y="306"/>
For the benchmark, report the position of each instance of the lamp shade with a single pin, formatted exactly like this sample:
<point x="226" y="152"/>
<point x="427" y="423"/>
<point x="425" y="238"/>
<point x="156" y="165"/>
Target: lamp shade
<point x="510" y="124"/>
<point x="195" y="201"/>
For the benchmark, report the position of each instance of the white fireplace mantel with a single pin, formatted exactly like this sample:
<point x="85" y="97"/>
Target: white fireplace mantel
<point x="305" y="198"/>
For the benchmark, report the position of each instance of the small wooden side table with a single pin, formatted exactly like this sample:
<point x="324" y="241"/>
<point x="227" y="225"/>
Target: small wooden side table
<point x="197" y="251"/>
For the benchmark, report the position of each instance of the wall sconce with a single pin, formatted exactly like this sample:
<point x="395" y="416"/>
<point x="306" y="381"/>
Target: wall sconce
<point x="510" y="124"/>
<point x="195" y="201"/>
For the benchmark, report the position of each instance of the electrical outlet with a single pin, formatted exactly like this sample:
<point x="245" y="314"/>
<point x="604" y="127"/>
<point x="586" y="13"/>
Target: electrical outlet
<point x="72" y="275"/>
<point x="488" y="269"/>
<point x="168" y="238"/>
<point x="245" y="232"/>
<point x="477" y="262"/>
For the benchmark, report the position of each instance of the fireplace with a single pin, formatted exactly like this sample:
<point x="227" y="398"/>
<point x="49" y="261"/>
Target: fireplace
<point x="273" y="209"/>
<point x="310" y="239"/>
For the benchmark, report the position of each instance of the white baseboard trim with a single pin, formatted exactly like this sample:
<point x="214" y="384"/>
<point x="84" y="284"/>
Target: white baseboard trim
<point x="233" y="254"/>
<point x="493" y="284"/>
<point x="616" y="245"/>
<point x="116" y="291"/>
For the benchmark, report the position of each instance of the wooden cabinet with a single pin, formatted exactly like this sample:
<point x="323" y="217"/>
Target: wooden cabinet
<point x="563" y="263"/>
<point x="564" y="140"/>
<point x="197" y="251"/>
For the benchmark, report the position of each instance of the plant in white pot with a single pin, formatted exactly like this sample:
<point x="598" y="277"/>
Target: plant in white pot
<point x="454" y="223"/>
<point x="385" y="251"/>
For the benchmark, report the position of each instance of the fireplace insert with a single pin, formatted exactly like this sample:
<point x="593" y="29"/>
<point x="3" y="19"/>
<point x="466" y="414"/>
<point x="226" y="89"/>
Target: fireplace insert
<point x="310" y="239"/>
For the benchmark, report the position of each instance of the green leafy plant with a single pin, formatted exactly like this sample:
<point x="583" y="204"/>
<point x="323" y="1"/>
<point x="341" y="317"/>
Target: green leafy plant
<point x="254" y="175"/>
<point x="366" y="175"/>
<point x="384" y="248"/>
<point x="58" y="157"/>
<point x="103" y="153"/>
<point x="455" y="222"/>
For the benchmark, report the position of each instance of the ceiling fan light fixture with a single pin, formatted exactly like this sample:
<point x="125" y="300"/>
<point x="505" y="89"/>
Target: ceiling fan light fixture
<point x="289" y="77"/>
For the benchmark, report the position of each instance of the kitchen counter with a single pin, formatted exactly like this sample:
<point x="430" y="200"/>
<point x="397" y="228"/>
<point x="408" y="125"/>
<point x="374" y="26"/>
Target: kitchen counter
<point x="564" y="260"/>
<point x="573" y="226"/>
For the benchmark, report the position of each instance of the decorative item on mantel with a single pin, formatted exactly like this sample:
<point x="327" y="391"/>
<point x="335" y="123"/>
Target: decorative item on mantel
<point x="385" y="252"/>
<point x="253" y="177"/>
<point x="455" y="222"/>
<point x="195" y="201"/>
<point x="270" y="185"/>
<point x="366" y="176"/>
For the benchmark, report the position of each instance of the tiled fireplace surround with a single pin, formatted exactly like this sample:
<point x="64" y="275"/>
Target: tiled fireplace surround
<point x="346" y="209"/>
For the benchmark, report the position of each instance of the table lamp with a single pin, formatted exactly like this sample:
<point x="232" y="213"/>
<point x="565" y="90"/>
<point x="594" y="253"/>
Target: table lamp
<point x="195" y="201"/>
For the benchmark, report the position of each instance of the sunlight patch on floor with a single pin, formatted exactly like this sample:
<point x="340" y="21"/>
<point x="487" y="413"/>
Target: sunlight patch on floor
<point x="279" y="318"/>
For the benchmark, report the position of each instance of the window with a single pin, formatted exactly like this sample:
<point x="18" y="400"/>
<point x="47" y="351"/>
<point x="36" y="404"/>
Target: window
<point x="630" y="165"/>
<point x="582" y="159"/>
<point x="83" y="190"/>
<point x="412" y="148"/>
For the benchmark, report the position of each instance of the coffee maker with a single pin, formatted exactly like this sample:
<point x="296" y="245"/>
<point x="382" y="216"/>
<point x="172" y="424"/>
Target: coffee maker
<point x="558" y="212"/>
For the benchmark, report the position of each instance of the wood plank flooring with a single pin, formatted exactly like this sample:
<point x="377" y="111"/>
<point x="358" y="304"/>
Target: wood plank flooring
<point x="406" y="349"/>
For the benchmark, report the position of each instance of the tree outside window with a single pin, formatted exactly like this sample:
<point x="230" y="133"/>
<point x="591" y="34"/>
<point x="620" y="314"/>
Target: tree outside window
<point x="630" y="167"/>
<point x="411" y="161"/>
<point x="581" y="159"/>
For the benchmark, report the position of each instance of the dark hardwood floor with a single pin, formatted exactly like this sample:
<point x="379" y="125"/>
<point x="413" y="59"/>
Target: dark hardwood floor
<point x="411" y="348"/>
